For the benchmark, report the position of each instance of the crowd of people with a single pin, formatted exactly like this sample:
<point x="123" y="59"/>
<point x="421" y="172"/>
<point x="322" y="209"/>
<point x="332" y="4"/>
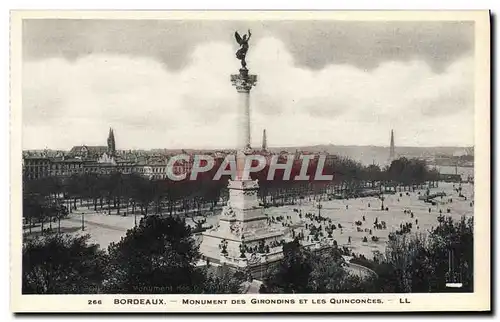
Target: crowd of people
<point x="316" y="227"/>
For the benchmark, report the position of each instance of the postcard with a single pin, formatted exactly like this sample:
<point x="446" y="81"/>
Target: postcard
<point x="246" y="161"/>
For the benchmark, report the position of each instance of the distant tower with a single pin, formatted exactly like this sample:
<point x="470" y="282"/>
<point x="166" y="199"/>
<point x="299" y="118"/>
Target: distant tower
<point x="392" y="153"/>
<point x="264" y="140"/>
<point x="111" y="142"/>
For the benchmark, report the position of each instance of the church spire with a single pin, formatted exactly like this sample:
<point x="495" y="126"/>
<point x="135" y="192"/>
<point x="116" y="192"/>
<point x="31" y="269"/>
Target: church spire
<point x="111" y="142"/>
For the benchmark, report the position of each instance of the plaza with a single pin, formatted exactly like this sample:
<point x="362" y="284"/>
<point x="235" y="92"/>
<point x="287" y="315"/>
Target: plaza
<point x="399" y="208"/>
<point x="105" y="229"/>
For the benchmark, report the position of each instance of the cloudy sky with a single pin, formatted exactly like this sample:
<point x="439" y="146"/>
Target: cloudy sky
<point x="165" y="84"/>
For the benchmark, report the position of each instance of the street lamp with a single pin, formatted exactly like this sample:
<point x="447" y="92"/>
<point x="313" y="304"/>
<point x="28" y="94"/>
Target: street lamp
<point x="382" y="199"/>
<point x="83" y="222"/>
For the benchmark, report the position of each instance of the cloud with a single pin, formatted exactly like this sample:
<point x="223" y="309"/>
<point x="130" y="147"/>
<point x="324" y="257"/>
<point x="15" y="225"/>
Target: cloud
<point x="314" y="44"/>
<point x="67" y="103"/>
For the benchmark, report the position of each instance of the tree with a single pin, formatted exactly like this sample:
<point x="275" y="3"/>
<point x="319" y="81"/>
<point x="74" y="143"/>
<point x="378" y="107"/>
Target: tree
<point x="408" y="172"/>
<point x="328" y="274"/>
<point x="452" y="249"/>
<point x="158" y="255"/>
<point x="62" y="264"/>
<point x="143" y="193"/>
<point x="74" y="186"/>
<point x="292" y="273"/>
<point x="420" y="263"/>
<point x="303" y="271"/>
<point x="373" y="174"/>
<point x="61" y="211"/>
<point x="220" y="280"/>
<point x="408" y="256"/>
<point x="32" y="209"/>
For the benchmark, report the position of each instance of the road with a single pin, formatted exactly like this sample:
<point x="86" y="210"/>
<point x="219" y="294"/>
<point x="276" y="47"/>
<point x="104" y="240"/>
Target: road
<point x="96" y="224"/>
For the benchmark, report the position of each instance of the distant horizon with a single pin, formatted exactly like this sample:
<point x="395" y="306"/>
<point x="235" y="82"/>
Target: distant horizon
<point x="268" y="148"/>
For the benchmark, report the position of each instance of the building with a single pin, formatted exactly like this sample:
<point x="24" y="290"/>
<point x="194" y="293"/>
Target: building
<point x="87" y="152"/>
<point x="101" y="160"/>
<point x="65" y="167"/>
<point x="456" y="173"/>
<point x="36" y="167"/>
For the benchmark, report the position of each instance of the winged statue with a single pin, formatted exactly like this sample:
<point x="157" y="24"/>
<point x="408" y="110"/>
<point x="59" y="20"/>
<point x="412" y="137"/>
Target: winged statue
<point x="243" y="42"/>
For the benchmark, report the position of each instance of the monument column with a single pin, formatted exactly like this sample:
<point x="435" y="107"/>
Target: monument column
<point x="243" y="83"/>
<point x="242" y="221"/>
<point x="245" y="106"/>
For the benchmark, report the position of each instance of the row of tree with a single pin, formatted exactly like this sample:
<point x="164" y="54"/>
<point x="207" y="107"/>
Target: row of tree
<point x="117" y="193"/>
<point x="134" y="193"/>
<point x="349" y="178"/>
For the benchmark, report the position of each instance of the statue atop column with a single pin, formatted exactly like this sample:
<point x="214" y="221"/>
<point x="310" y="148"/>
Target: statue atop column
<point x="242" y="52"/>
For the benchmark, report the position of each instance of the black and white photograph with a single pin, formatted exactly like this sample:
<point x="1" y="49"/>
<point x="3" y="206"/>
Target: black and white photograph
<point x="263" y="162"/>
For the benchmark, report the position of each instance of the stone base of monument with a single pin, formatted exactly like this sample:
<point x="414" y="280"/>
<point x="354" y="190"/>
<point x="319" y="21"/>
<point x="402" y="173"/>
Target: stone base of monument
<point x="242" y="224"/>
<point x="257" y="264"/>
